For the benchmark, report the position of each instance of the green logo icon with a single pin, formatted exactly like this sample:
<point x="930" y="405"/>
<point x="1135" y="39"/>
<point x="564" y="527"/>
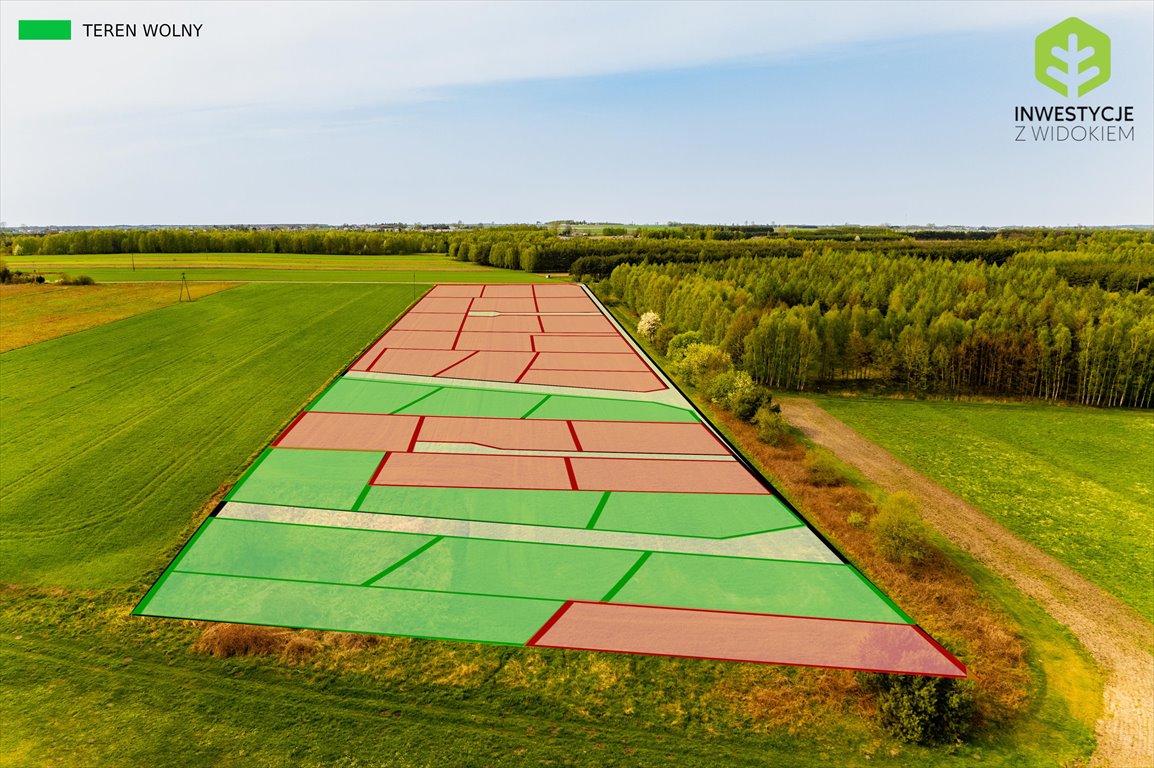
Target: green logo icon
<point x="1072" y="57"/>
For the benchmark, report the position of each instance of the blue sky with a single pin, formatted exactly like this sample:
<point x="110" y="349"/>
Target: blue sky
<point x="790" y="113"/>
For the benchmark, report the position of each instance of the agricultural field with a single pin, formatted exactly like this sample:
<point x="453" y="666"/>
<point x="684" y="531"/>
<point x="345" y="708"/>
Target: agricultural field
<point x="142" y="424"/>
<point x="264" y="267"/>
<point x="1076" y="482"/>
<point x="146" y="419"/>
<point x="33" y="313"/>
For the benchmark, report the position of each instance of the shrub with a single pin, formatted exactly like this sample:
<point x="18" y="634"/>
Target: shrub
<point x="856" y="520"/>
<point x="823" y="471"/>
<point x="738" y="392"/>
<point x="772" y="429"/>
<point x="649" y="325"/>
<point x="664" y="335"/>
<point x="900" y="535"/>
<point x="700" y="364"/>
<point x="681" y="342"/>
<point x="924" y="710"/>
<point x="78" y="280"/>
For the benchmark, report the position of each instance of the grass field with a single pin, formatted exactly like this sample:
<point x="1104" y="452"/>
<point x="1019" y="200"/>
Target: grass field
<point x="113" y="438"/>
<point x="76" y="262"/>
<point x="31" y="313"/>
<point x="1076" y="482"/>
<point x="246" y="267"/>
<point x="216" y="274"/>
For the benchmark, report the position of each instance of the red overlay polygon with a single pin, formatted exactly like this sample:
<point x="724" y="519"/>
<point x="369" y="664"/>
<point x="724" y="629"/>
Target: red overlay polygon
<point x="749" y="637"/>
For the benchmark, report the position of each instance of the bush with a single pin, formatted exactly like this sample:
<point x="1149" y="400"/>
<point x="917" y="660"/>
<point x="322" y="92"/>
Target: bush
<point x="681" y="342"/>
<point x="664" y="335"/>
<point x="924" y="710"/>
<point x="900" y="535"/>
<point x="700" y="364"/>
<point x="649" y="325"/>
<point x="822" y="470"/>
<point x="78" y="280"/>
<point x="772" y="429"/>
<point x="738" y="392"/>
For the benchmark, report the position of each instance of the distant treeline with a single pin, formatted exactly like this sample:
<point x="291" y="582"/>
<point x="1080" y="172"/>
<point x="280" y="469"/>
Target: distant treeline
<point x="227" y="241"/>
<point x="921" y="325"/>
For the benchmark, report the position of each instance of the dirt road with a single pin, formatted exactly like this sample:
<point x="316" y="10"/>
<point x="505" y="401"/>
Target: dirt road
<point x="1115" y="635"/>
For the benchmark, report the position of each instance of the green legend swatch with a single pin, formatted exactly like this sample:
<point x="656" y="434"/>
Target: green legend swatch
<point x="45" y="29"/>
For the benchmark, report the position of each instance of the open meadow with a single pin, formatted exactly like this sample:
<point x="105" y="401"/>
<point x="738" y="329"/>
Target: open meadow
<point x="1076" y="482"/>
<point x="118" y="440"/>
<point x="421" y="268"/>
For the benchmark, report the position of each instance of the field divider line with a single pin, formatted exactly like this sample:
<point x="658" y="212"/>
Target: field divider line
<point x="797" y="544"/>
<point x="419" y="399"/>
<point x="362" y="586"/>
<point x="597" y="512"/>
<point x="535" y="407"/>
<point x="407" y="558"/>
<point x="573" y="434"/>
<point x="625" y="579"/>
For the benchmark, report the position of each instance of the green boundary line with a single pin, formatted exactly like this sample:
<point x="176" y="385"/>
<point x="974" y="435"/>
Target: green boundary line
<point x="360" y="500"/>
<point x="535" y="407"/>
<point x="144" y="601"/>
<point x="240" y="481"/>
<point x="409" y="405"/>
<point x="884" y="597"/>
<point x="628" y="575"/>
<point x="368" y="586"/>
<point x="416" y="552"/>
<point x="597" y="512"/>
<point x="325" y="391"/>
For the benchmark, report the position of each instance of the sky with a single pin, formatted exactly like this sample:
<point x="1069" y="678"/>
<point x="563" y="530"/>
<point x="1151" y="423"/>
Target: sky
<point x="363" y="112"/>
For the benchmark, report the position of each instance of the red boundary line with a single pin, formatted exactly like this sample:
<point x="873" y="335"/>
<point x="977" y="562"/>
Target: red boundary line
<point x="379" y="354"/>
<point x="289" y="428"/>
<point x="532" y="360"/>
<point x="464" y="318"/>
<point x="416" y="432"/>
<point x="748" y="661"/>
<point x="438" y="373"/>
<point x="549" y="624"/>
<point x="941" y="649"/>
<point x="576" y="440"/>
<point x="377" y="474"/>
<point x="534" y="641"/>
<point x="572" y="476"/>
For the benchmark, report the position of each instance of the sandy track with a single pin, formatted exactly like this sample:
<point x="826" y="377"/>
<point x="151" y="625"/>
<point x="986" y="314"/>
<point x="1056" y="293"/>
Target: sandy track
<point x="1119" y="639"/>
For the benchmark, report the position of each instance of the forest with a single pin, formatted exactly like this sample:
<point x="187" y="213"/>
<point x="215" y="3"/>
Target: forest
<point x="852" y="318"/>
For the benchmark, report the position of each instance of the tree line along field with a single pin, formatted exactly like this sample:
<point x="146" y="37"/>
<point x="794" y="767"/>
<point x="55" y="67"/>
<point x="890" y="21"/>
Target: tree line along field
<point x="116" y="440"/>
<point x="1075" y="482"/>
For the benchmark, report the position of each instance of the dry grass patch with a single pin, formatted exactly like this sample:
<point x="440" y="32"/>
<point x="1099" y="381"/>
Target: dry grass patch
<point x="30" y="313"/>
<point x="935" y="591"/>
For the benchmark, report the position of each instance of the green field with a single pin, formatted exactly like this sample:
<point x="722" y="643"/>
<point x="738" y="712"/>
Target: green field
<point x="1076" y="482"/>
<point x="115" y="438"/>
<point x="270" y="267"/>
<point x="280" y="261"/>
